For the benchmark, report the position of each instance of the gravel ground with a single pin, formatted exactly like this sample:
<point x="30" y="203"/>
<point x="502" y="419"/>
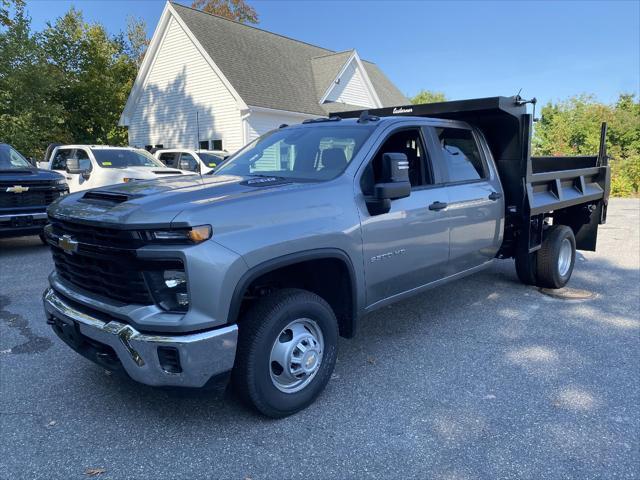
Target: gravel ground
<point x="482" y="378"/>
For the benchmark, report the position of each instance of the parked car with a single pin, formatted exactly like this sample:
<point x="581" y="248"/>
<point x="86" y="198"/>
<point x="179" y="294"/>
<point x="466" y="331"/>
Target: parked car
<point x="198" y="161"/>
<point x="255" y="271"/>
<point x="25" y="194"/>
<point x="91" y="166"/>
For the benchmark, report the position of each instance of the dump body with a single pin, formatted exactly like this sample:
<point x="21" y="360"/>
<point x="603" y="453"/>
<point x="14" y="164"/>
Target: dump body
<point x="533" y="186"/>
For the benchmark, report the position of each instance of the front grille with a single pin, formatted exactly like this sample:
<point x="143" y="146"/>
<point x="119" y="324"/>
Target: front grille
<point x="112" y="278"/>
<point x="38" y="195"/>
<point x="105" y="262"/>
<point x="98" y="236"/>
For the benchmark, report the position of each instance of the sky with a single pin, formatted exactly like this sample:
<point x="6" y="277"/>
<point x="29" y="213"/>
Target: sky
<point x="466" y="49"/>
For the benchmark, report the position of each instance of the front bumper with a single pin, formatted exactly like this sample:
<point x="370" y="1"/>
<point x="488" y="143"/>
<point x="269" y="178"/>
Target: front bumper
<point x="201" y="355"/>
<point x="20" y="224"/>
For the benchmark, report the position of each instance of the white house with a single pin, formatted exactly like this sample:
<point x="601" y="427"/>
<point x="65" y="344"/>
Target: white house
<point x="209" y="82"/>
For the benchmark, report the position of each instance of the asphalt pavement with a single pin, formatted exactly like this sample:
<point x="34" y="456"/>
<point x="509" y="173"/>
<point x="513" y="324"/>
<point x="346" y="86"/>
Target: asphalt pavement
<point x="481" y="378"/>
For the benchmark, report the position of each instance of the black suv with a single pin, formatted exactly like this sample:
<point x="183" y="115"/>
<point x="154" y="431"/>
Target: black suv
<point x="25" y="194"/>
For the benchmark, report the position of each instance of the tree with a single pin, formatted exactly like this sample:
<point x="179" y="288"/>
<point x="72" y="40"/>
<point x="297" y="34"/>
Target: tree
<point x="572" y="127"/>
<point x="137" y="39"/>
<point x="67" y="84"/>
<point x="29" y="118"/>
<point x="237" y="10"/>
<point x="5" y="19"/>
<point x="427" y="96"/>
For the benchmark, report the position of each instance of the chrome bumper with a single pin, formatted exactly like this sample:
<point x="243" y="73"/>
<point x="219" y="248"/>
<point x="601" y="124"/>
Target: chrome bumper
<point x="202" y="355"/>
<point x="35" y="216"/>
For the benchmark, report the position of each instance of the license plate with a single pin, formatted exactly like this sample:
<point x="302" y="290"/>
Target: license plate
<point x="69" y="332"/>
<point x="22" y="221"/>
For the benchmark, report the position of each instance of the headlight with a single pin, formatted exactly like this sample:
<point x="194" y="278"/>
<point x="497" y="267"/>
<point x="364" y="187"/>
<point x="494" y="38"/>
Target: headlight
<point x="169" y="289"/>
<point x="181" y="235"/>
<point x="62" y="181"/>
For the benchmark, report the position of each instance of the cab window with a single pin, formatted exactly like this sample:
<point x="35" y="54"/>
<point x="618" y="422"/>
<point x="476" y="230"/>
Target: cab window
<point x="460" y="154"/>
<point x="170" y="159"/>
<point x="407" y="141"/>
<point x="83" y="160"/>
<point x="187" y="162"/>
<point x="59" y="162"/>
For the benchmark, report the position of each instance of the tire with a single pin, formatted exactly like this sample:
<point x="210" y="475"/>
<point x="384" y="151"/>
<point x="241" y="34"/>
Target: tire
<point x="556" y="257"/>
<point x="258" y="376"/>
<point x="526" y="266"/>
<point x="43" y="239"/>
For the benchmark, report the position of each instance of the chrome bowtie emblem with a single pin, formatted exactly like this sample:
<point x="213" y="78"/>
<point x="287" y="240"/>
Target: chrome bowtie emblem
<point x="17" y="189"/>
<point x="68" y="244"/>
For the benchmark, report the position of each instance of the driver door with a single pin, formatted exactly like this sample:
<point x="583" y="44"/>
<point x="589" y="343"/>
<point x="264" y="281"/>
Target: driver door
<point x="59" y="164"/>
<point x="187" y="162"/>
<point x="407" y="247"/>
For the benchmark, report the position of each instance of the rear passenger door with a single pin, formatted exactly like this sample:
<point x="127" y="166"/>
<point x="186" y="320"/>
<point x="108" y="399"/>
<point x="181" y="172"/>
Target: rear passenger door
<point x="475" y="208"/>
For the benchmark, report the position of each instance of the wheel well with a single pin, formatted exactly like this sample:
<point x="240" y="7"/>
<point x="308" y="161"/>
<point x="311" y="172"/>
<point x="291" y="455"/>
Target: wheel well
<point x="329" y="278"/>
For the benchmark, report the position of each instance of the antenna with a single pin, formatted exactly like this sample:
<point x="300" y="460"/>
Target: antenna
<point x="198" y="139"/>
<point x="603" y="159"/>
<point x="197" y="131"/>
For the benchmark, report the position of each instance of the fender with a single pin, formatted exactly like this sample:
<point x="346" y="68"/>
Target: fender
<point x="291" y="259"/>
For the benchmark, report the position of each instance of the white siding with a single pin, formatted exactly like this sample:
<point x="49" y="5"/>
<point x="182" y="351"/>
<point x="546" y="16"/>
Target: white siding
<point x="179" y="84"/>
<point x="259" y="123"/>
<point x="352" y="88"/>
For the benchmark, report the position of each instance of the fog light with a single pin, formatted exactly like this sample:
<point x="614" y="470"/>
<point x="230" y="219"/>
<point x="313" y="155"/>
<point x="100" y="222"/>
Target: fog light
<point x="174" y="278"/>
<point x="169" y="289"/>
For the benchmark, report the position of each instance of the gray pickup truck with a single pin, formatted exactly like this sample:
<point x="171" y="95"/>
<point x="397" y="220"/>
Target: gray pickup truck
<point x="251" y="273"/>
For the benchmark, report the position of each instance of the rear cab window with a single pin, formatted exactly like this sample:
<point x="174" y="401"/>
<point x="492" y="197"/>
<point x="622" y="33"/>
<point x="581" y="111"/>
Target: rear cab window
<point x="461" y="157"/>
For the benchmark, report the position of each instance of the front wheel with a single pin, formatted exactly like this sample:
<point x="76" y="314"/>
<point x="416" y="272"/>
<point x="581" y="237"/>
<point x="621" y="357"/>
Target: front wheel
<point x="556" y="257"/>
<point x="287" y="347"/>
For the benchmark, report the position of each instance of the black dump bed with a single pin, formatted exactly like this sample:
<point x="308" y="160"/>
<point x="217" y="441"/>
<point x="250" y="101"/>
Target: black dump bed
<point x="534" y="186"/>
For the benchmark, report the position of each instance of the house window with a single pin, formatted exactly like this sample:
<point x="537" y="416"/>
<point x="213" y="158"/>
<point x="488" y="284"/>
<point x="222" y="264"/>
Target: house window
<point x="210" y="145"/>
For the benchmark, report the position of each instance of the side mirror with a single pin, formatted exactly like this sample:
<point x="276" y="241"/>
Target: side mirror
<point x="395" y="176"/>
<point x="73" y="167"/>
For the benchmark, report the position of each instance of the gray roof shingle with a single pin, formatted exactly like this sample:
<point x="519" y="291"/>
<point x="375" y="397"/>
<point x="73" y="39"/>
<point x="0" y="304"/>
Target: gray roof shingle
<point x="273" y="71"/>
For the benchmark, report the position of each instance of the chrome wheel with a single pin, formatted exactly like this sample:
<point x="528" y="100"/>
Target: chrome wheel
<point x="296" y="355"/>
<point x="564" y="257"/>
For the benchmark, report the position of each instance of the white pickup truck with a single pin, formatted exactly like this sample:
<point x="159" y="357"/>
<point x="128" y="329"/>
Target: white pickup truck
<point x="196" y="161"/>
<point x="92" y="166"/>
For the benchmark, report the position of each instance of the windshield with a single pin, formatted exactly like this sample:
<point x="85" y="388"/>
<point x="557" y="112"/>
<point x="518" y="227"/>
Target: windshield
<point x="308" y="153"/>
<point x="11" y="159"/>
<point x="122" y="158"/>
<point x="210" y="160"/>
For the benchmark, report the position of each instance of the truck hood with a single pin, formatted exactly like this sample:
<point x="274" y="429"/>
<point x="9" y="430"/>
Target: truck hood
<point x="150" y="172"/>
<point x="29" y="175"/>
<point x="150" y="203"/>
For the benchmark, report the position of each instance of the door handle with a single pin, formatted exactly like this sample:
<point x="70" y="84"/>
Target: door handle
<point x="438" y="206"/>
<point x="495" y="196"/>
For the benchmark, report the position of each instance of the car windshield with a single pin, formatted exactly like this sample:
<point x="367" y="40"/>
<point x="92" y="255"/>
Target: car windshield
<point x="122" y="158"/>
<point x="311" y="153"/>
<point x="210" y="160"/>
<point x="10" y="159"/>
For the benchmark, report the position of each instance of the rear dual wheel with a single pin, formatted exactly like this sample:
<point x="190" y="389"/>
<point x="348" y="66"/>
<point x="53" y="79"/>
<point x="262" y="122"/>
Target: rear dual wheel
<point x="552" y="265"/>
